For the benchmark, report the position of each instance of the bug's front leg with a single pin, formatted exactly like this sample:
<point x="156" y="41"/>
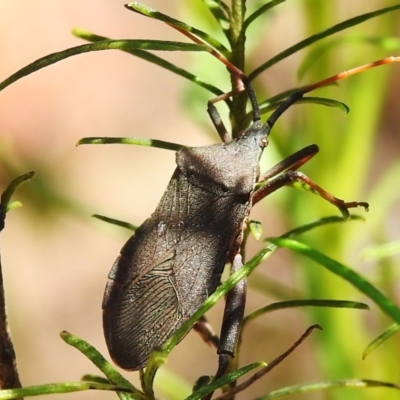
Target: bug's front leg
<point x="217" y="122"/>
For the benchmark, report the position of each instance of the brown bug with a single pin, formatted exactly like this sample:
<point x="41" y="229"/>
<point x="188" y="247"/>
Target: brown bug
<point x="176" y="257"/>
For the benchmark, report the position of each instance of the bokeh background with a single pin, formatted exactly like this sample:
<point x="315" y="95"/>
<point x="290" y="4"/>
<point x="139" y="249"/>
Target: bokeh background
<point x="56" y="257"/>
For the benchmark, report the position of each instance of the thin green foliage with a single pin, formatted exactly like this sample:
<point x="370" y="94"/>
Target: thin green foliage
<point x="310" y="387"/>
<point x="281" y="305"/>
<point x="149" y="12"/>
<point x="383" y="302"/>
<point x="5" y="200"/>
<point x="225" y="380"/>
<point x="312" y="58"/>
<point x="124" y="45"/>
<point x="221" y="13"/>
<point x="56" y="388"/>
<point x="152" y="58"/>
<point x="233" y="24"/>
<point x="127" y="390"/>
<point x="262" y="10"/>
<point x="389" y="332"/>
<point x="319" y="36"/>
<point x="382" y="251"/>
<point x="132" y="140"/>
<point x="116" y="222"/>
<point x="256" y="229"/>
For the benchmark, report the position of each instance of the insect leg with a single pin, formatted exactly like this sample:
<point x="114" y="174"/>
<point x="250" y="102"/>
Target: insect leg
<point x="293" y="162"/>
<point x="232" y="321"/>
<point x="251" y="94"/>
<point x="205" y="330"/>
<point x="284" y="173"/>
<point x="215" y="117"/>
<point x="217" y="121"/>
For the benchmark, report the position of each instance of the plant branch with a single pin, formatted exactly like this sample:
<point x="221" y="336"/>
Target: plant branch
<point x="9" y="378"/>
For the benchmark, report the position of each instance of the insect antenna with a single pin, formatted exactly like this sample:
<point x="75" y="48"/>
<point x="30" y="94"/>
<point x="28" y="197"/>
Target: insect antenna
<point x="281" y="109"/>
<point x="266" y="128"/>
<point x="300" y="92"/>
<point x="251" y="94"/>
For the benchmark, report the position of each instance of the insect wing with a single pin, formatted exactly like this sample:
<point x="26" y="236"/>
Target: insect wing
<point x="176" y="257"/>
<point x="140" y="301"/>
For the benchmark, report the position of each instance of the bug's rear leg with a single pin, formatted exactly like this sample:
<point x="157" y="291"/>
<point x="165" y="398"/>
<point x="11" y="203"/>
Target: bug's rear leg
<point x="232" y="322"/>
<point x="284" y="173"/>
<point x="205" y="330"/>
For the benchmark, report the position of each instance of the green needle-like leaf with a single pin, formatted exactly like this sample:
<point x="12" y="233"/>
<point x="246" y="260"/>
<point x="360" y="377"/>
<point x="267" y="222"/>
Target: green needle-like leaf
<point x="263" y="9"/>
<point x="387" y="43"/>
<point x="392" y="330"/>
<point x="310" y="387"/>
<point x="132" y="140"/>
<point x="157" y="358"/>
<point x="321" y="35"/>
<point x="225" y="380"/>
<point x="6" y="204"/>
<point x="53" y="388"/>
<point x="384" y="250"/>
<point x="149" y="12"/>
<point x="108" y="370"/>
<point x="384" y="303"/>
<point x="308" y="100"/>
<point x="274" y="102"/>
<point x="154" y="59"/>
<point x="116" y="222"/>
<point x="220" y="11"/>
<point x="125" y="45"/>
<point x="281" y="305"/>
<point x="319" y="223"/>
<point x="95" y="378"/>
<point x="256" y="229"/>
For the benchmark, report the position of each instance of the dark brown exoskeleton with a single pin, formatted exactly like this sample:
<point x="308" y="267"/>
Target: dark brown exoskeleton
<point x="176" y="257"/>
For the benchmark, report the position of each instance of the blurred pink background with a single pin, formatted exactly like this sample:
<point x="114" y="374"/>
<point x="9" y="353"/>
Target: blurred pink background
<point x="55" y="272"/>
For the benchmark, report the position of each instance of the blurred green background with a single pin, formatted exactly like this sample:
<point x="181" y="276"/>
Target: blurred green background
<point x="56" y="258"/>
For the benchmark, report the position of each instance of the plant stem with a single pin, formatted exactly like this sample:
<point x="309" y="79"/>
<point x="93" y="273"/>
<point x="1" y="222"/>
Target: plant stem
<point x="237" y="40"/>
